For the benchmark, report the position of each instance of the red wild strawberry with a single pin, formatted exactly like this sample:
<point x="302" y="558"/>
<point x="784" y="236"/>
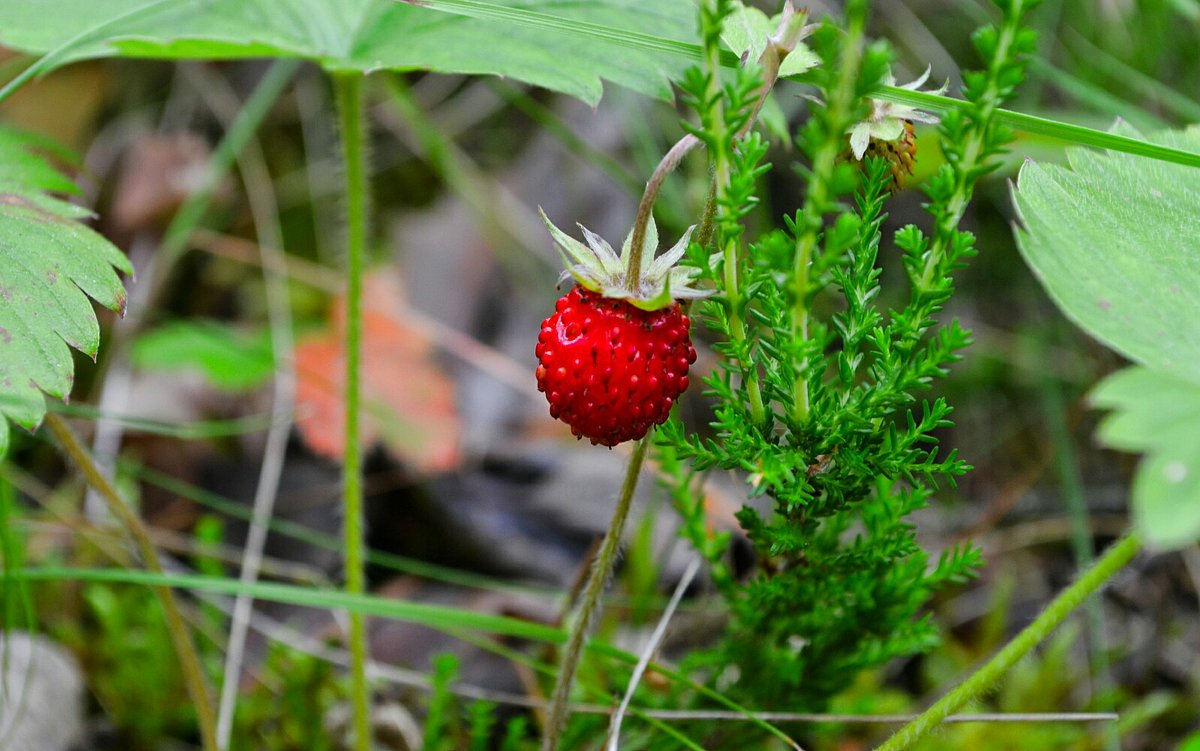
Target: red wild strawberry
<point x="609" y="370"/>
<point x="614" y="355"/>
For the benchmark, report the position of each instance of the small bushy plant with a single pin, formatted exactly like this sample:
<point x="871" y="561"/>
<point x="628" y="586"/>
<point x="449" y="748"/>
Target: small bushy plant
<point x="821" y="393"/>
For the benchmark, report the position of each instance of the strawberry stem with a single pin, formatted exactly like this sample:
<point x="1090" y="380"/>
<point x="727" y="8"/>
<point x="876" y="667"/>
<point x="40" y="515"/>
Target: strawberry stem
<point x="556" y="720"/>
<point x="633" y="273"/>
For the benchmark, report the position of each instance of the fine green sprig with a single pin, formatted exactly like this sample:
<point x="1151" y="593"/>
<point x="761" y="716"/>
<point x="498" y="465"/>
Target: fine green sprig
<point x="723" y="112"/>
<point x="817" y="397"/>
<point x="821" y="139"/>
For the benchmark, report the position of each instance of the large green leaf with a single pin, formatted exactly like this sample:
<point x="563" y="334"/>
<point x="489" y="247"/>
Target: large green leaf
<point x="1115" y="241"/>
<point x="367" y="35"/>
<point x="49" y="265"/>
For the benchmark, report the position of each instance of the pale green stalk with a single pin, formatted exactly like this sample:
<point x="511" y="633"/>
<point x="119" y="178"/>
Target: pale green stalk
<point x="1033" y="125"/>
<point x="348" y="91"/>
<point x="777" y="49"/>
<point x="982" y="680"/>
<point x="645" y="210"/>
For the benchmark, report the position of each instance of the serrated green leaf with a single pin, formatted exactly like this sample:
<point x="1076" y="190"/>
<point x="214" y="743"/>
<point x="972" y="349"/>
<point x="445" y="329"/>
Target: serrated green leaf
<point x="1113" y="239"/>
<point x="561" y="51"/>
<point x="746" y="31"/>
<point x="49" y="266"/>
<point x="230" y="358"/>
<point x="799" y="61"/>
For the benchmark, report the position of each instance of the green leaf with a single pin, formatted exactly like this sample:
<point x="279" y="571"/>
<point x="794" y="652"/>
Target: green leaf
<point x="49" y="266"/>
<point x="1113" y="239"/>
<point x="1153" y="410"/>
<point x="1158" y="414"/>
<point x="566" y="45"/>
<point x="441" y="617"/>
<point x="230" y="358"/>
<point x="746" y="30"/>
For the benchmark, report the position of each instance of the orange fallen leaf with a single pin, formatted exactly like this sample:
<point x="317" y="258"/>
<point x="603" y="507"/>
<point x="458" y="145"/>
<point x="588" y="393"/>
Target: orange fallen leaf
<point x="407" y="401"/>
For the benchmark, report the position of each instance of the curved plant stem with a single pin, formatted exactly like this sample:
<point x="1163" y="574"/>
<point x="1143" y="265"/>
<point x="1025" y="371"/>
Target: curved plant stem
<point x="348" y="90"/>
<point x="1115" y="558"/>
<point x="645" y="210"/>
<point x="185" y="649"/>
<point x="556" y="719"/>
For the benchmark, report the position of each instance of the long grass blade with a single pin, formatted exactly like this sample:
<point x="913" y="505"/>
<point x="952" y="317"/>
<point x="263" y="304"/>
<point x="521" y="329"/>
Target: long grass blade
<point x="434" y="616"/>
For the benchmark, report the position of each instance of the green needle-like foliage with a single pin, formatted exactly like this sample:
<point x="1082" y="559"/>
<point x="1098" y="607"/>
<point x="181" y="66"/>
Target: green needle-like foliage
<point x="820" y="389"/>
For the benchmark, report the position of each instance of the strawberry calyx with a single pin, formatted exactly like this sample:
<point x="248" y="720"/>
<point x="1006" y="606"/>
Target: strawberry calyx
<point x="598" y="268"/>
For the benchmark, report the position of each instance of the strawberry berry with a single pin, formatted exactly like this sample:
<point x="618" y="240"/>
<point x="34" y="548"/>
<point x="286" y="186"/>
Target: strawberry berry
<point x="614" y="356"/>
<point x="609" y="369"/>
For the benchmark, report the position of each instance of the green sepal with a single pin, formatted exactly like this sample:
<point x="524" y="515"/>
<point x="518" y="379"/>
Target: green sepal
<point x="597" y="267"/>
<point x="662" y="300"/>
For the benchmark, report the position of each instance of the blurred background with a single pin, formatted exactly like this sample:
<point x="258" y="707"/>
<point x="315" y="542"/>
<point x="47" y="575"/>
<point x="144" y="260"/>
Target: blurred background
<point x="477" y="498"/>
